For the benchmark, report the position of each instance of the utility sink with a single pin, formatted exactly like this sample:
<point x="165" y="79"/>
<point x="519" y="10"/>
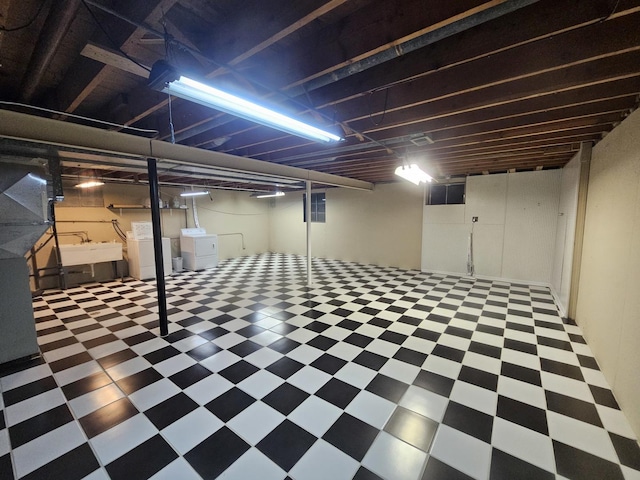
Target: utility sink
<point x="90" y="253"/>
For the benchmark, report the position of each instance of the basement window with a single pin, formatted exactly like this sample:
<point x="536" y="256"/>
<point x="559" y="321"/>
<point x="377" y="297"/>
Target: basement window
<point x="449" y="194"/>
<point x="318" y="207"/>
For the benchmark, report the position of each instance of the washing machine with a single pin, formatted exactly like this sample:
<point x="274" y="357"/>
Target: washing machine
<point x="142" y="261"/>
<point x="199" y="249"/>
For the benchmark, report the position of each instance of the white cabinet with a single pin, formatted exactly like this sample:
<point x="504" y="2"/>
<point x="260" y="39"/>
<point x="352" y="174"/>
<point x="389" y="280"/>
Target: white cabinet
<point x="142" y="262"/>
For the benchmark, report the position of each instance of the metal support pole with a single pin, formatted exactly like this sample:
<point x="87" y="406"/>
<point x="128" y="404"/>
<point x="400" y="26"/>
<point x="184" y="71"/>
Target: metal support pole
<point x="154" y="195"/>
<point x="308" y="214"/>
<point x="52" y="217"/>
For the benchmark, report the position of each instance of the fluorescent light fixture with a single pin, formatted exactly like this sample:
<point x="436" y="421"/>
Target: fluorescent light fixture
<point x="413" y="173"/>
<point x="90" y="184"/>
<point x="193" y="193"/>
<point x="268" y="195"/>
<point x="164" y="78"/>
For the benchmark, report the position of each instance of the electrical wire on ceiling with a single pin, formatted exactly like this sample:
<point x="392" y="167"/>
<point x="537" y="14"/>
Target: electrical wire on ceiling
<point x="28" y="24"/>
<point x="615" y="8"/>
<point x="80" y="117"/>
<point x="384" y="110"/>
<point x="111" y="40"/>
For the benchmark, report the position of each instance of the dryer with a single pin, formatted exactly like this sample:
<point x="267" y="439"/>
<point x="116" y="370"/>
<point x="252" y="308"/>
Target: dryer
<point x="199" y="249"/>
<point x="142" y="260"/>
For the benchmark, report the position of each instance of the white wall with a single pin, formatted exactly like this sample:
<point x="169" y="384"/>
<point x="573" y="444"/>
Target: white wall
<point x="608" y="308"/>
<point x="515" y="233"/>
<point x="380" y="227"/>
<point x="566" y="233"/>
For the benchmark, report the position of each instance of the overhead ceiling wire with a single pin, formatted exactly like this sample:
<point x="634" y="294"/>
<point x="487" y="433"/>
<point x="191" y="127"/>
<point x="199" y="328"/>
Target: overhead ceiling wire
<point x="80" y="117"/>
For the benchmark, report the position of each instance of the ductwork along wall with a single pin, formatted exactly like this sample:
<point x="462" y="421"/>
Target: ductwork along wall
<point x="23" y="220"/>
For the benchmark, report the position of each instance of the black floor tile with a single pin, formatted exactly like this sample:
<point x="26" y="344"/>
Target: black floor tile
<point x="604" y="396"/>
<point x="215" y="454"/>
<point x="588" y="362"/>
<point x="393" y="337"/>
<point x="328" y="363"/>
<point x="229" y="404"/>
<point x="338" y="393"/>
<point x="351" y="435"/>
<point x="370" y="360"/>
<point x="562" y="369"/>
<point x="239" y="371"/>
<point x="284" y="367"/>
<point x="486" y="350"/>
<point x="139" y="380"/>
<point x="47" y="347"/>
<point x="286" y="444"/>
<point x="86" y="385"/>
<point x="285" y="398"/>
<point x="6" y="468"/>
<point x="426" y="334"/>
<point x="627" y="449"/>
<point x="434" y="382"/>
<point x="39" y="425"/>
<point x="245" y="348"/>
<point x="161" y="354"/>
<point x="116" y="358"/>
<point x="69" y="362"/>
<point x="284" y="345"/>
<point x="469" y="421"/>
<point x="412" y="428"/>
<point x="213" y="333"/>
<point x="170" y="410"/>
<point x="523" y="374"/>
<point x="410" y="356"/>
<point x="572" y="407"/>
<point x="479" y="377"/>
<point x="95" y="342"/>
<point x="387" y="387"/>
<point x="574" y="463"/>
<point x="358" y="340"/>
<point x="521" y="346"/>
<point x="437" y="470"/>
<point x="204" y="351"/>
<point x="506" y="467"/>
<point x="522" y="414"/>
<point x="449" y="353"/>
<point x="143" y="461"/>
<point x="108" y="416"/>
<point x="322" y="343"/>
<point x="29" y="390"/>
<point x="189" y="376"/>
<point x="73" y="465"/>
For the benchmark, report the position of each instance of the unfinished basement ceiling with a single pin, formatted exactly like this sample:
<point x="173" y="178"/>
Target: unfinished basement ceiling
<point x="467" y="87"/>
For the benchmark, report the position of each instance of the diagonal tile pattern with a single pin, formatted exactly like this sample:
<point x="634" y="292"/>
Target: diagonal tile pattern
<point x="372" y="373"/>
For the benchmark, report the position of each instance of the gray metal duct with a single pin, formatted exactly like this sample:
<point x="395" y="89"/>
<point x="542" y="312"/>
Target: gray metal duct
<point x="23" y="208"/>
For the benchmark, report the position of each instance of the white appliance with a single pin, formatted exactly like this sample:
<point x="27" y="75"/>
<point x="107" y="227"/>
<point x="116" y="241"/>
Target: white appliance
<point x="199" y="249"/>
<point x="142" y="262"/>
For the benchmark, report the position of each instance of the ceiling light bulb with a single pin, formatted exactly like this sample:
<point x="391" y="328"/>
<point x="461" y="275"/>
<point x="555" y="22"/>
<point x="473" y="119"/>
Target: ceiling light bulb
<point x="90" y="184"/>
<point x="413" y="173"/>
<point x="193" y="193"/>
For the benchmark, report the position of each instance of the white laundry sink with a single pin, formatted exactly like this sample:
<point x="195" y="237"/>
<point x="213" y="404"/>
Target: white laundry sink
<point x="90" y="253"/>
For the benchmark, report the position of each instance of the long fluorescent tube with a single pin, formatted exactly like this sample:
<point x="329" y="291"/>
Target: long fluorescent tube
<point x="90" y="184"/>
<point x="413" y="173"/>
<point x="267" y="195"/>
<point x="197" y="92"/>
<point x="193" y="193"/>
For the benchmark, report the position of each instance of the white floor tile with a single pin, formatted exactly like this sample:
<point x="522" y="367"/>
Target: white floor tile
<point x="323" y="461"/>
<point x="263" y="358"/>
<point x="566" y="386"/>
<point x="463" y="452"/>
<point x="208" y="388"/>
<point x="92" y="401"/>
<point x="26" y="376"/>
<point x="128" y="368"/>
<point x="309" y="379"/>
<point x="523" y="443"/>
<point x="175" y="364"/>
<point x="615" y="421"/>
<point x="253" y="464"/>
<point x="153" y="394"/>
<point x="72" y="374"/>
<point x="118" y="440"/>
<point x="305" y="354"/>
<point x="522" y="391"/>
<point x="475" y="397"/>
<point x="355" y="375"/>
<point x="33" y="406"/>
<point x="581" y="435"/>
<point x="392" y="458"/>
<point x="220" y="361"/>
<point x="315" y="415"/>
<point x="42" y="450"/>
<point x="424" y="402"/>
<point x="371" y="409"/>
<point x="191" y="429"/>
<point x="255" y="422"/>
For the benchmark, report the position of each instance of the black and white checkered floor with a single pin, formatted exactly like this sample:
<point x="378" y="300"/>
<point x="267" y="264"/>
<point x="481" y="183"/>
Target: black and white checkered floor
<point x="373" y="373"/>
